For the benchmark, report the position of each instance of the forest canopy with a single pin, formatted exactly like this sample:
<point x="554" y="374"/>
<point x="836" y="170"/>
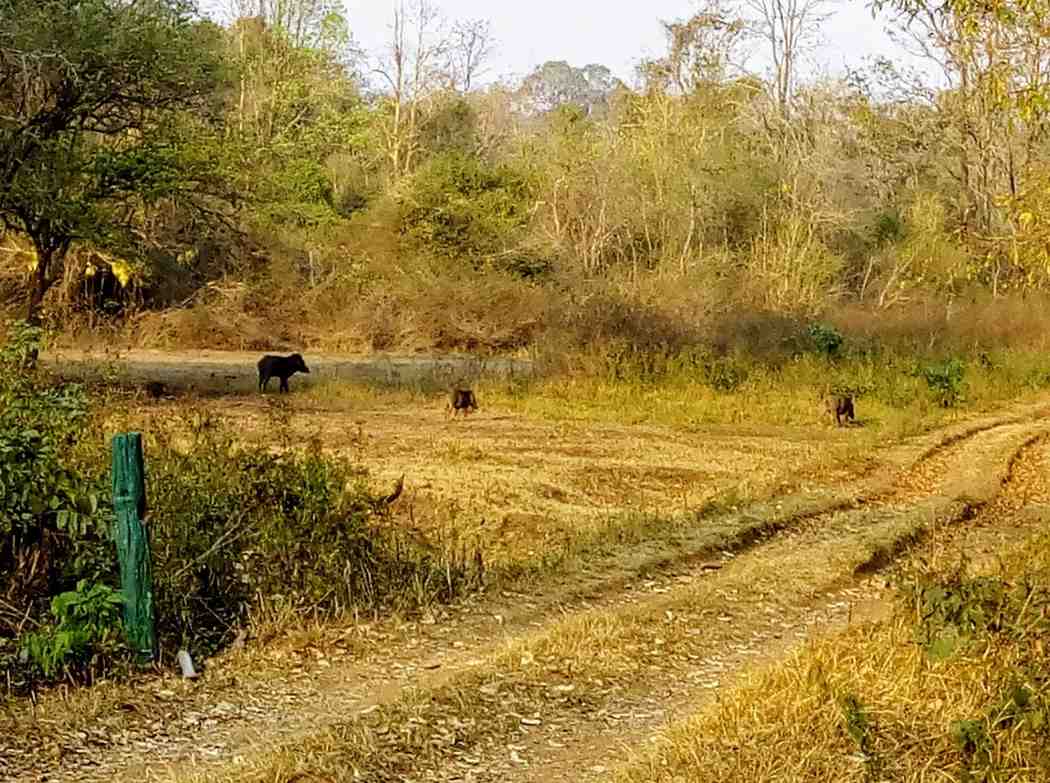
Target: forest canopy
<point x="263" y="176"/>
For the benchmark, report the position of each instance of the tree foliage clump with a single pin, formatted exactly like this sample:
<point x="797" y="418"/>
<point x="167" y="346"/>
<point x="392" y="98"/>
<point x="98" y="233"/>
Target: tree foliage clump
<point x="94" y="123"/>
<point x="53" y="514"/>
<point x="724" y="188"/>
<point x="458" y="206"/>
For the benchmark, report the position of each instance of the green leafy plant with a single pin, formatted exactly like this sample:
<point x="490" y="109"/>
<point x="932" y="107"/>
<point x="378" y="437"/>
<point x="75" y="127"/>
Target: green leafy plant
<point x="456" y="205"/>
<point x="236" y="528"/>
<point x="952" y="610"/>
<point x="52" y="522"/>
<point x="826" y="340"/>
<point x="945" y="381"/>
<point x="85" y="628"/>
<point x="725" y="374"/>
<point x="861" y="727"/>
<point x="972" y="740"/>
<point x="858" y="723"/>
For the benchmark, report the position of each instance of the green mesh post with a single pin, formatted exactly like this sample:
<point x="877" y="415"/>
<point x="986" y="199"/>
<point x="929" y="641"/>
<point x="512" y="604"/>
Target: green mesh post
<point x="136" y="569"/>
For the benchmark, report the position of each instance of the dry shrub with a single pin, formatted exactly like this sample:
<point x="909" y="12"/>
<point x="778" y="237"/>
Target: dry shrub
<point x="665" y="312"/>
<point x="789" y="269"/>
<point x="768" y="336"/>
<point x="864" y="708"/>
<point x="428" y="308"/>
<point x="221" y="319"/>
<point x="978" y="323"/>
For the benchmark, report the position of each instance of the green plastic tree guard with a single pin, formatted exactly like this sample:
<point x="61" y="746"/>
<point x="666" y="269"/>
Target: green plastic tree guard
<point x="133" y="551"/>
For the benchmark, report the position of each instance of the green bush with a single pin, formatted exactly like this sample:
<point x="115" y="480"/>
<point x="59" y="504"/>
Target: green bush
<point x="298" y="192"/>
<point x="457" y="206"/>
<point x="85" y="632"/>
<point x="826" y="340"/>
<point x="54" y="525"/>
<point x="234" y="527"/>
<point x="945" y="381"/>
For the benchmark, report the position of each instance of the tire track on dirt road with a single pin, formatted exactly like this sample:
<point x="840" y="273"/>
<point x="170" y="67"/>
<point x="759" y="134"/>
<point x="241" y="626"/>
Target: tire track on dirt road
<point x="408" y="657"/>
<point x="585" y="745"/>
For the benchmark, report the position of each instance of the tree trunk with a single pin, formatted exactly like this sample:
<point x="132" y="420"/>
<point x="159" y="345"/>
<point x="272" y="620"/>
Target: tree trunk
<point x="36" y="295"/>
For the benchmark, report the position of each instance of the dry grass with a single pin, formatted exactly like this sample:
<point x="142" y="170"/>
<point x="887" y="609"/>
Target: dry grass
<point x="340" y="297"/>
<point x="528" y="491"/>
<point x="871" y="704"/>
<point x="980" y="323"/>
<point x="574" y="669"/>
<point x="584" y="660"/>
<point x="552" y="467"/>
<point x="868" y="706"/>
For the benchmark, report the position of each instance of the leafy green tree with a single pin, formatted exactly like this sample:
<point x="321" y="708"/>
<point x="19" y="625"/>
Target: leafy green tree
<point x="700" y="50"/>
<point x="91" y="98"/>
<point x="317" y="24"/>
<point x="295" y="108"/>
<point x="993" y="114"/>
<point x="457" y="206"/>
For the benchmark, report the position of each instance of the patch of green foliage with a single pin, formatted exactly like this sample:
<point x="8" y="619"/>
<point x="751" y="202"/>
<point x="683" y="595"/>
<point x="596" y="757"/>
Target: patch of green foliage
<point x="54" y="522"/>
<point x="234" y="525"/>
<point x="826" y="340"/>
<point x="51" y="513"/>
<point x="84" y="632"/>
<point x="862" y="728"/>
<point x="945" y="381"/>
<point x="297" y="192"/>
<point x="954" y="610"/>
<point x="458" y="206"/>
<point x="951" y="612"/>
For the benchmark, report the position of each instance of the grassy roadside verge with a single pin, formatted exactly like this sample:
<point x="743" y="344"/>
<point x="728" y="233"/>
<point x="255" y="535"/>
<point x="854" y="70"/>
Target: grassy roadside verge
<point x="898" y="394"/>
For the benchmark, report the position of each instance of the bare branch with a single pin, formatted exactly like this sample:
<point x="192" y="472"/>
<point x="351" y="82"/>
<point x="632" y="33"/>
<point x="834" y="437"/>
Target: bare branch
<point x="789" y="28"/>
<point x="471" y="45"/>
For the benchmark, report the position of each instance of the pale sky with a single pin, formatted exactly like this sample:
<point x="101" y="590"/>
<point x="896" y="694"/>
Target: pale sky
<point x="616" y="34"/>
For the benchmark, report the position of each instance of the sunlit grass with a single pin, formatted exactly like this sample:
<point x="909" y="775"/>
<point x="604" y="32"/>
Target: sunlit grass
<point x="892" y="397"/>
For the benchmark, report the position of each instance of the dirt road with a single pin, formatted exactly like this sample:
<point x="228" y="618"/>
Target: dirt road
<point x="563" y="680"/>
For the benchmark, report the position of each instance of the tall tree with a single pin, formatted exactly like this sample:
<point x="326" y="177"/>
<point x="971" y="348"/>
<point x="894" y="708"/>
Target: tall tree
<point x="556" y="83"/>
<point x="700" y="49"/>
<point x="470" y="46"/>
<point x="413" y="67"/>
<point x="789" y="28"/>
<point x="995" y="60"/>
<point x="315" y="24"/>
<point x="90" y="92"/>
